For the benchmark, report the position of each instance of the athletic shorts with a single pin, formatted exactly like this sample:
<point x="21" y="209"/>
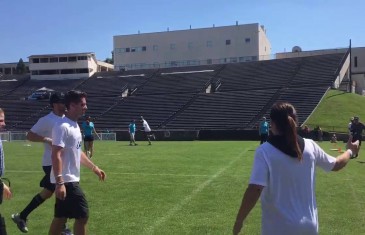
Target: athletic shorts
<point x="357" y="137"/>
<point x="75" y="205"/>
<point x="46" y="180"/>
<point x="89" y="138"/>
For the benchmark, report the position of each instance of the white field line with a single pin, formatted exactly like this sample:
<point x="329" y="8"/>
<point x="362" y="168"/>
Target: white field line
<point x="123" y="173"/>
<point x="188" y="198"/>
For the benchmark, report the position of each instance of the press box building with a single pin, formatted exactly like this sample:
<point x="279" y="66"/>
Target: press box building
<point x="215" y="45"/>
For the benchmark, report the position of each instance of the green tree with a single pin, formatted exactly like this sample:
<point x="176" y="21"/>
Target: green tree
<point x="109" y="61"/>
<point x="20" y="67"/>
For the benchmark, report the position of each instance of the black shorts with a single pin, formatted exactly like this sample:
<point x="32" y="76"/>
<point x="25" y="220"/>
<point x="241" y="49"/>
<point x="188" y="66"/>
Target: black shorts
<point x="75" y="205"/>
<point x="357" y="137"/>
<point x="89" y="138"/>
<point x="46" y="180"/>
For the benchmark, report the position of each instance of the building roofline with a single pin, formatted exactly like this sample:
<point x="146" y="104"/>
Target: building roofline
<point x="180" y="30"/>
<point x="65" y="54"/>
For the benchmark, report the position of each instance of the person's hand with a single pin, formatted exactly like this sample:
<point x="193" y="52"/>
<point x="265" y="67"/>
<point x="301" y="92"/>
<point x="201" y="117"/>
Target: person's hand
<point x="354" y="146"/>
<point x="237" y="228"/>
<point x="100" y="173"/>
<point x="60" y="192"/>
<point x="7" y="192"/>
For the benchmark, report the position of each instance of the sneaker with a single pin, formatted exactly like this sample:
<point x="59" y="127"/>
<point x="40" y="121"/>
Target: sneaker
<point x="66" y="230"/>
<point x="22" y="224"/>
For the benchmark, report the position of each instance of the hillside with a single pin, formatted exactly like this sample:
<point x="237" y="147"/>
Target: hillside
<point x="335" y="110"/>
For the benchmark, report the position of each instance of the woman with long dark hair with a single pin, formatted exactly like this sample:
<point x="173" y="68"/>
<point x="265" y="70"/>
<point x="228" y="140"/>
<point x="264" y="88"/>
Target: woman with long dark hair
<point x="283" y="174"/>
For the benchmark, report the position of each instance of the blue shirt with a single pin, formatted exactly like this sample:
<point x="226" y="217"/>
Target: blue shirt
<point x="88" y="129"/>
<point x="132" y="128"/>
<point x="264" y="127"/>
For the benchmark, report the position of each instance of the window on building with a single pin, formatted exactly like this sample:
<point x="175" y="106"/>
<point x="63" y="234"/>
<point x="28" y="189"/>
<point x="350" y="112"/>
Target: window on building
<point x="53" y="60"/>
<point x="155" y="48"/>
<point x="72" y="59"/>
<point x="172" y="46"/>
<point x="35" y="72"/>
<point x="63" y="59"/>
<point x="48" y="72"/>
<point x="209" y="61"/>
<point x="133" y="49"/>
<point x="44" y="60"/>
<point x="82" y="58"/>
<point x="35" y="60"/>
<point x="247" y="40"/>
<point x="67" y="71"/>
<point x="228" y="42"/>
<point x="209" y="43"/>
<point x="82" y="70"/>
<point x="190" y="45"/>
<point x="127" y="49"/>
<point x="355" y="61"/>
<point x="144" y="48"/>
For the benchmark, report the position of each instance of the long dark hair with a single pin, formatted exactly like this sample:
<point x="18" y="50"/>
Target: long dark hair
<point x="285" y="118"/>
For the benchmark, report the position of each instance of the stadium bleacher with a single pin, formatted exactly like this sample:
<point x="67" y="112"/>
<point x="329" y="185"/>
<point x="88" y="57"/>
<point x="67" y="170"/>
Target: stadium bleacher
<point x="178" y="98"/>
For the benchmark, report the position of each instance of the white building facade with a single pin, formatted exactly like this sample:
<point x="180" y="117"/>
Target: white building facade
<point x="216" y="45"/>
<point x="65" y="66"/>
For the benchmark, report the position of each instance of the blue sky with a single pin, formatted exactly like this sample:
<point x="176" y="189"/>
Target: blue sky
<point x="31" y="27"/>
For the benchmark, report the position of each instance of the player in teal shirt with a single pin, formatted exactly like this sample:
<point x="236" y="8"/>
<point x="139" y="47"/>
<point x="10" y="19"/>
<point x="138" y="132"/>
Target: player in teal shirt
<point x="264" y="130"/>
<point x="88" y="128"/>
<point x="132" y="132"/>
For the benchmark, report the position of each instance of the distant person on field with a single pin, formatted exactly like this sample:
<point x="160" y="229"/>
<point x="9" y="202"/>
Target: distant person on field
<point x="356" y="131"/>
<point x="6" y="192"/>
<point x="42" y="132"/>
<point x="263" y="130"/>
<point x="88" y="128"/>
<point x="132" y="132"/>
<point x="283" y="174"/>
<point x="147" y="131"/>
<point x="334" y="138"/>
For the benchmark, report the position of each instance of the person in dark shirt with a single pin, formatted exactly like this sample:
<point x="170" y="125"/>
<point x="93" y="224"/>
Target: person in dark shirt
<point x="356" y="130"/>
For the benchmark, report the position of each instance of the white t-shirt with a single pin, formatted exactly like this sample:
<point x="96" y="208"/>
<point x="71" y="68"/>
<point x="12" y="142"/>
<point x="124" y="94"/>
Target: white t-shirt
<point x="43" y="127"/>
<point x="288" y="199"/>
<point x="67" y="135"/>
<point x="146" y="126"/>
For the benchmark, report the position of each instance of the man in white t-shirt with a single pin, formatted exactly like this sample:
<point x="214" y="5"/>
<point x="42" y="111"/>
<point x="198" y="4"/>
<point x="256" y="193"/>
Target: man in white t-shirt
<point x="42" y="132"/>
<point x="147" y="130"/>
<point x="66" y="160"/>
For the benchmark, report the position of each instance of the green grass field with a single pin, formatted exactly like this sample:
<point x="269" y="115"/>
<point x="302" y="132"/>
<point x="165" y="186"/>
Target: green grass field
<point x="176" y="188"/>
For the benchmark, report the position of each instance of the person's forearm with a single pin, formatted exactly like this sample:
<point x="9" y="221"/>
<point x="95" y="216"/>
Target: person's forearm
<point x="85" y="161"/>
<point x="57" y="166"/>
<point x="31" y="136"/>
<point x="249" y="200"/>
<point x="342" y="160"/>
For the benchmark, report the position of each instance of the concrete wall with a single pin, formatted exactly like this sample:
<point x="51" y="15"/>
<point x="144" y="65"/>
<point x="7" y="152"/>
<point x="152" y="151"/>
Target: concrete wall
<point x="190" y="47"/>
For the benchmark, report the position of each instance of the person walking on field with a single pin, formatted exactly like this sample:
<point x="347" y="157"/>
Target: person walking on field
<point x="42" y="132"/>
<point x="147" y="130"/>
<point x="88" y="128"/>
<point x="6" y="192"/>
<point x="66" y="160"/>
<point x="264" y="130"/>
<point x="356" y="131"/>
<point x="132" y="132"/>
<point x="283" y="174"/>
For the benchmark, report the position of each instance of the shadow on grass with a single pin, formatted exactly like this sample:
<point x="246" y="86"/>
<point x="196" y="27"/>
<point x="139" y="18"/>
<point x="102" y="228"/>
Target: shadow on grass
<point x="361" y="162"/>
<point x="336" y="95"/>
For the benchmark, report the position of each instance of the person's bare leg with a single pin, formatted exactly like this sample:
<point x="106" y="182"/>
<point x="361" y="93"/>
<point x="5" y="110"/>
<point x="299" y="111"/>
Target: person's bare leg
<point x="57" y="226"/>
<point x="91" y="148"/>
<point x="80" y="226"/>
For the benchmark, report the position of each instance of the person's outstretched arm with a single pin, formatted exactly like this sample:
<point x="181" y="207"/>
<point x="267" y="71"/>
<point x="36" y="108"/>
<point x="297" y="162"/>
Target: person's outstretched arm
<point x="249" y="200"/>
<point x="342" y="160"/>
